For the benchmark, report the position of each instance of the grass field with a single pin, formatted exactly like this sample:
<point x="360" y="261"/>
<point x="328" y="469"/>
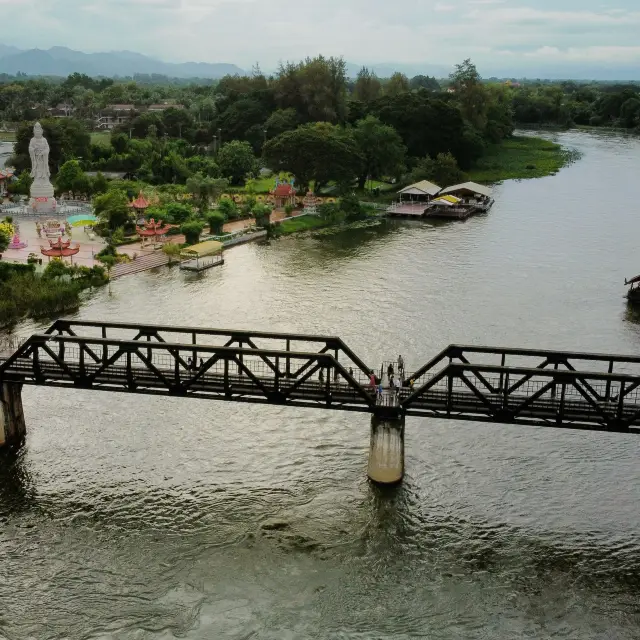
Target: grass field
<point x="520" y="157"/>
<point x="101" y="137"/>
<point x="7" y="136"/>
<point x="301" y="223"/>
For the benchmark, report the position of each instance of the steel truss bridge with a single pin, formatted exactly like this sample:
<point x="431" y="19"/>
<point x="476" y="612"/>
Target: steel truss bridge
<point x="513" y="386"/>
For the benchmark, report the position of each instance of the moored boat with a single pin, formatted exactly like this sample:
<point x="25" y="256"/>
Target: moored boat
<point x="633" y="294"/>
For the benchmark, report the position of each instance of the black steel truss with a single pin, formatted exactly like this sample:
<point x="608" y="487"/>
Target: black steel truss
<point x="171" y="368"/>
<point x="520" y="386"/>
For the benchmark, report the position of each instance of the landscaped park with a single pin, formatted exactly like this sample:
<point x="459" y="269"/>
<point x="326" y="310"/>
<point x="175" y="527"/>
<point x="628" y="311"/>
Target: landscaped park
<point x="246" y="158"/>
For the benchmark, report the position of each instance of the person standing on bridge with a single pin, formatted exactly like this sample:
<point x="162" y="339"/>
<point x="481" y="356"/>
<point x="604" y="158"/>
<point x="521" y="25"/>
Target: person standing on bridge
<point x="401" y="366"/>
<point x="372" y="381"/>
<point x="390" y="371"/>
<point x="321" y="377"/>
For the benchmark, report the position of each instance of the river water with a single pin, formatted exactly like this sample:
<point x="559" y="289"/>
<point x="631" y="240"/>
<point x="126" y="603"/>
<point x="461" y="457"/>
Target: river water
<point x="138" y="517"/>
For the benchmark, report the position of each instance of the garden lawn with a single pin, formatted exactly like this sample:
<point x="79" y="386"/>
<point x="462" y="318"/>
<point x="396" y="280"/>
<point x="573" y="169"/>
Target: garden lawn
<point x="7" y="136"/>
<point x="103" y="138"/>
<point x="302" y="223"/>
<point x="520" y="157"/>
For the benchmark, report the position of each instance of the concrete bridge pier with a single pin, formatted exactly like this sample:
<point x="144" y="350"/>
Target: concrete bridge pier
<point x="12" y="425"/>
<point x="386" y="451"/>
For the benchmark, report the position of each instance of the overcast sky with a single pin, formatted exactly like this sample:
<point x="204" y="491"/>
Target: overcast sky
<point x="494" y="33"/>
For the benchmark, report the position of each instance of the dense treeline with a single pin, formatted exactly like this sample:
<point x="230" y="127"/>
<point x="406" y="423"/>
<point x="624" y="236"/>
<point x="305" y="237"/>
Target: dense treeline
<point x="571" y="103"/>
<point x="307" y="119"/>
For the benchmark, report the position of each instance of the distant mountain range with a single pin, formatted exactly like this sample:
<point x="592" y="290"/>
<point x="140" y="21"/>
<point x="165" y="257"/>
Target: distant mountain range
<point x="60" y="61"/>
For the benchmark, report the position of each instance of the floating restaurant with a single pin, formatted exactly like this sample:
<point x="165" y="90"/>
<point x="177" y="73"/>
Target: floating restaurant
<point x="426" y="199"/>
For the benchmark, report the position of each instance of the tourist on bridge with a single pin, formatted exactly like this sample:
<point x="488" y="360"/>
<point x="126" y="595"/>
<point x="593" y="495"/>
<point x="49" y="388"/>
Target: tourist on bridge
<point x="398" y="386"/>
<point x="401" y="366"/>
<point x="390" y="371"/>
<point x="372" y="381"/>
<point x="321" y="376"/>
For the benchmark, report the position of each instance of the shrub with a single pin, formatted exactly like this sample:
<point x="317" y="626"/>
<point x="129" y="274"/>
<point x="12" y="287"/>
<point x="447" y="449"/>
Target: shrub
<point x="288" y="209"/>
<point x="228" y="208"/>
<point x="118" y="236"/>
<point x="192" y="231"/>
<point x="216" y="221"/>
<point x="351" y="207"/>
<point x="262" y="214"/>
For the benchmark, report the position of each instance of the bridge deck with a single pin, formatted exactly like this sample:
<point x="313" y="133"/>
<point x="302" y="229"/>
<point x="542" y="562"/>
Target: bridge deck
<point x="150" y="359"/>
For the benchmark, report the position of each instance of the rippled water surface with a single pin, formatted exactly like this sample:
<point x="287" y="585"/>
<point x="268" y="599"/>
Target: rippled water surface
<point x="138" y="517"/>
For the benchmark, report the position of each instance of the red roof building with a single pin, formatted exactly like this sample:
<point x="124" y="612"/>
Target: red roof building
<point x="60" y="249"/>
<point x="140" y="203"/>
<point x="284" y="194"/>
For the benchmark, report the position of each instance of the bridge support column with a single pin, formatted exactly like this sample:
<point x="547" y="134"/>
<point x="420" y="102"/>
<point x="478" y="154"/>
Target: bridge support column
<point x="386" y="451"/>
<point x="12" y="425"/>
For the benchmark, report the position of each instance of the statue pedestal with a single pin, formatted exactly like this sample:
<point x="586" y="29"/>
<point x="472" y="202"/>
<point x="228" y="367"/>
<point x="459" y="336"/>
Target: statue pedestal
<point x="42" y="200"/>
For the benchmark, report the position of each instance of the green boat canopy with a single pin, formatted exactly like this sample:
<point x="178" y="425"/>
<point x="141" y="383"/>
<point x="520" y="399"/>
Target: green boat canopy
<point x="202" y="249"/>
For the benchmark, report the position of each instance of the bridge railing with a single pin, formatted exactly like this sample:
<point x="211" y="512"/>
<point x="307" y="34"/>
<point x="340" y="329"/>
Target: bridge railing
<point x="187" y="369"/>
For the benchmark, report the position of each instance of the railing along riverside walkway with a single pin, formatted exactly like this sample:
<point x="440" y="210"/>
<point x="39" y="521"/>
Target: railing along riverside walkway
<point x="513" y="386"/>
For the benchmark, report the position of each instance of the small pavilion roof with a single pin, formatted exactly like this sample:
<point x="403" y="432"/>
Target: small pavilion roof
<point x="422" y="188"/>
<point x="140" y="202"/>
<point x="469" y="187"/>
<point x="284" y="190"/>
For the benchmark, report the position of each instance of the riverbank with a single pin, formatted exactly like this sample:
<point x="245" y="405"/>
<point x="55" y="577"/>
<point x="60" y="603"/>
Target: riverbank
<point x="521" y="158"/>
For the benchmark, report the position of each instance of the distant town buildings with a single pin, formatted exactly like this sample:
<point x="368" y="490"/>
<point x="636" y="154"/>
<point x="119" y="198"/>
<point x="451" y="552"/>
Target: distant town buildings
<point x="116" y="114"/>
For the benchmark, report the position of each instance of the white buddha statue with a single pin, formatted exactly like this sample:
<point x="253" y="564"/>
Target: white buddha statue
<point x="41" y="190"/>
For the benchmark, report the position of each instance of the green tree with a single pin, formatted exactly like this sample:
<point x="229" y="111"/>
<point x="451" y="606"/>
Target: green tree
<point x="471" y="94"/>
<point x="630" y="112"/>
<point x="192" y="231"/>
<point x="236" y="161"/>
<point x="367" y="86"/>
<point x="396" y="84"/>
<point x="228" y="208"/>
<point x="240" y="116"/>
<point x="216" y="220"/>
<point x="4" y="241"/>
<point x="69" y="173"/>
<point x="178" y="123"/>
<point x="119" y="142"/>
<point x="21" y="186"/>
<point x="177" y="213"/>
<point x="280" y="121"/>
<point x="100" y="184"/>
<point x="112" y="208"/>
<point x="204" y="189"/>
<point x="424" y="82"/>
<point x="428" y="126"/>
<point x="317" y="151"/>
<point x="443" y="171"/>
<point x="381" y="148"/>
<point x="262" y="215"/>
<point x="316" y="88"/>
